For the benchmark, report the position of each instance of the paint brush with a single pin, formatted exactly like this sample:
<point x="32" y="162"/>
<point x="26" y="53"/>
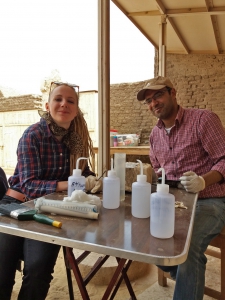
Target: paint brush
<point x="24" y="213"/>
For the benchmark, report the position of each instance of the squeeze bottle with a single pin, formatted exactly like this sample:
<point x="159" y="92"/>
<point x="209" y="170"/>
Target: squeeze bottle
<point x="162" y="211"/>
<point x="111" y="189"/>
<point x="76" y="181"/>
<point x="140" y="197"/>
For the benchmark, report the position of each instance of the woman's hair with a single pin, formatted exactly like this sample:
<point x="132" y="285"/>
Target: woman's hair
<point x="81" y="128"/>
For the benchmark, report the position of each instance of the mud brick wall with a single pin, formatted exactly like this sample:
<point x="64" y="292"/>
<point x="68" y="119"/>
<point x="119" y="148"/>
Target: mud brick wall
<point x="198" y="79"/>
<point x="18" y="103"/>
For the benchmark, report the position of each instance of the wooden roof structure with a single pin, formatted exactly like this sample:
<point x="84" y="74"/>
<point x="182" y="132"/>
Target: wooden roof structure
<point x="172" y="26"/>
<point x="193" y="26"/>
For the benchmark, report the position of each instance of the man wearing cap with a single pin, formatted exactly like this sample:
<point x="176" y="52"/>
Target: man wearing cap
<point x="190" y="145"/>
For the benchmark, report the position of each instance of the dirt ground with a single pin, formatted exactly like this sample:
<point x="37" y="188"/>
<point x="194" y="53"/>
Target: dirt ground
<point x="59" y="289"/>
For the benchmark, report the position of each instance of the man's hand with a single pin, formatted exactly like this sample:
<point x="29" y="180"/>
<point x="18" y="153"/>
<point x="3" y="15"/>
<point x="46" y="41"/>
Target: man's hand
<point x="192" y="182"/>
<point x="92" y="184"/>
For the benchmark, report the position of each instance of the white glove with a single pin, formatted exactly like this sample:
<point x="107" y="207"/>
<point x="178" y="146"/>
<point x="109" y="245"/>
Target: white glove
<point x="192" y="182"/>
<point x="92" y="184"/>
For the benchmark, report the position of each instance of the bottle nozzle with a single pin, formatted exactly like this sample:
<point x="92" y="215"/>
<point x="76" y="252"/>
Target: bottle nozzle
<point x="111" y="164"/>
<point x="141" y="177"/>
<point x="141" y="166"/>
<point x="163" y="175"/>
<point x="163" y="187"/>
<point x="78" y="160"/>
<point x="77" y="171"/>
<point x="112" y="172"/>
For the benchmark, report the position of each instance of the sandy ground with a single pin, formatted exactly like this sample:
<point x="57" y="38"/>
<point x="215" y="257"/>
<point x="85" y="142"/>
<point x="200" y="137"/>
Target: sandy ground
<point x="59" y="288"/>
<point x="145" y="286"/>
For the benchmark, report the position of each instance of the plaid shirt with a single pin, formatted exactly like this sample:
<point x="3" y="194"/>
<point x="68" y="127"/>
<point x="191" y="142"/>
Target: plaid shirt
<point x="42" y="162"/>
<point x="195" y="143"/>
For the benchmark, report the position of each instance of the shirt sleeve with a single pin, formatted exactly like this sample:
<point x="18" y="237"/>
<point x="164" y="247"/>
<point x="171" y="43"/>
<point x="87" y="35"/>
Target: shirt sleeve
<point x="212" y="135"/>
<point x="152" y="156"/>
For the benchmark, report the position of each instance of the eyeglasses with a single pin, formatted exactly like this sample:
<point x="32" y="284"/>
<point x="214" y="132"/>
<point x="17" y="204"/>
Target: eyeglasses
<point x="157" y="96"/>
<point x="56" y="83"/>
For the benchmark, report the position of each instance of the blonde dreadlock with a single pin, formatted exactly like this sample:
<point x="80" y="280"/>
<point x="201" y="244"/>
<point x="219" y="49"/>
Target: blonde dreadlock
<point x="82" y="129"/>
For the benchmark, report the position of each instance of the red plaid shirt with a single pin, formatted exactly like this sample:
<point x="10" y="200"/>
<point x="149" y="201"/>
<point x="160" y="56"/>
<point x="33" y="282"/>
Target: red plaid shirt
<point x="195" y="143"/>
<point x="42" y="162"/>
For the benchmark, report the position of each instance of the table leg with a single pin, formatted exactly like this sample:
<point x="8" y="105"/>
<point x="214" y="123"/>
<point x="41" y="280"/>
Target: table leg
<point x="77" y="274"/>
<point x="114" y="279"/>
<point x="126" y="279"/>
<point x="114" y="283"/>
<point x="68" y="273"/>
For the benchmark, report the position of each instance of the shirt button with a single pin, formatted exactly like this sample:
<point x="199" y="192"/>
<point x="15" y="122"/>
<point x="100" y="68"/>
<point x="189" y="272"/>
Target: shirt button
<point x="60" y="154"/>
<point x="170" y="148"/>
<point x="60" y="168"/>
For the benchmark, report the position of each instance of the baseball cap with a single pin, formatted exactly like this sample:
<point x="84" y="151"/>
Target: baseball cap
<point x="156" y="83"/>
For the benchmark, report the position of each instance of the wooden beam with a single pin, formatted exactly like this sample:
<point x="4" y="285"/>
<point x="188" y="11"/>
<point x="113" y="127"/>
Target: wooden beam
<point x="134" y="22"/>
<point x="104" y="85"/>
<point x="181" y="12"/>
<point x="162" y="46"/>
<point x="186" y="49"/>
<point x="161" y="7"/>
<point x="216" y="34"/>
<point x="215" y="27"/>
<point x="170" y="21"/>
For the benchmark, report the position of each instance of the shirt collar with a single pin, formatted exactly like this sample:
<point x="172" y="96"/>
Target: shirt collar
<point x="178" y="119"/>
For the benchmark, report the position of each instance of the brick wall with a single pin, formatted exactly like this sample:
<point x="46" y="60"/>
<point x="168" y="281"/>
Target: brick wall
<point x="23" y="102"/>
<point x="198" y="79"/>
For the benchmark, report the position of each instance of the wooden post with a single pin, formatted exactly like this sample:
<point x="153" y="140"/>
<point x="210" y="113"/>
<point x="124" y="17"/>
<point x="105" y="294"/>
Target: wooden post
<point x="104" y="85"/>
<point x="162" y="46"/>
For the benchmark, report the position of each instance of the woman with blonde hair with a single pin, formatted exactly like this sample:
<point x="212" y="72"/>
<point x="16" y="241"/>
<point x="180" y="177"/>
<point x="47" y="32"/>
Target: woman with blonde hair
<point x="47" y="153"/>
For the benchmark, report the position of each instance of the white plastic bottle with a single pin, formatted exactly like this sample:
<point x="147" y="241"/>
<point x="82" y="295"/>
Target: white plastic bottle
<point x="162" y="211"/>
<point x="111" y="189"/>
<point x="76" y="181"/>
<point x="140" y="197"/>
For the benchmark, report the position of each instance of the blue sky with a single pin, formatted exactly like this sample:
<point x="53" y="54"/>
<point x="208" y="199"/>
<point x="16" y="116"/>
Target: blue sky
<point x="40" y="36"/>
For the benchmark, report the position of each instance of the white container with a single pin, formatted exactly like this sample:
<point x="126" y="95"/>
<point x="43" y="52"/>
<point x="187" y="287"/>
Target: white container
<point x="111" y="190"/>
<point x="120" y="168"/>
<point x="162" y="211"/>
<point x="140" y="197"/>
<point x="76" y="181"/>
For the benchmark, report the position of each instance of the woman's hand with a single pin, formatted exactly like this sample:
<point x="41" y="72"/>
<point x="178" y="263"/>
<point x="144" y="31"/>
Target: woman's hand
<point x="62" y="186"/>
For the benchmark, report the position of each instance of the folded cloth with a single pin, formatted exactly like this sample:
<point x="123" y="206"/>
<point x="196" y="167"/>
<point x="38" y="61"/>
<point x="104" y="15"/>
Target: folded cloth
<point x="92" y="184"/>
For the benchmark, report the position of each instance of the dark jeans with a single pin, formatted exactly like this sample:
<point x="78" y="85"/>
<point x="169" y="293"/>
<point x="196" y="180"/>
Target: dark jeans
<point x="39" y="261"/>
<point x="190" y="275"/>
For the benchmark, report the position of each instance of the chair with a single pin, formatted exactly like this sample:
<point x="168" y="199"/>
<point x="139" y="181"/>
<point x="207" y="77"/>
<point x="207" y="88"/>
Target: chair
<point x="218" y="242"/>
<point x="3" y="183"/>
<point x="3" y="188"/>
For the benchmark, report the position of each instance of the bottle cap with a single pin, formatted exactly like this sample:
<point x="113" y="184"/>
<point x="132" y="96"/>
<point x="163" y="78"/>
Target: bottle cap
<point x="77" y="172"/>
<point x="162" y="187"/>
<point x="141" y="177"/>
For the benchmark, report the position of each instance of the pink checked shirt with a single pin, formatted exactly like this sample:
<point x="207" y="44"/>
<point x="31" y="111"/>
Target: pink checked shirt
<point x="195" y="143"/>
